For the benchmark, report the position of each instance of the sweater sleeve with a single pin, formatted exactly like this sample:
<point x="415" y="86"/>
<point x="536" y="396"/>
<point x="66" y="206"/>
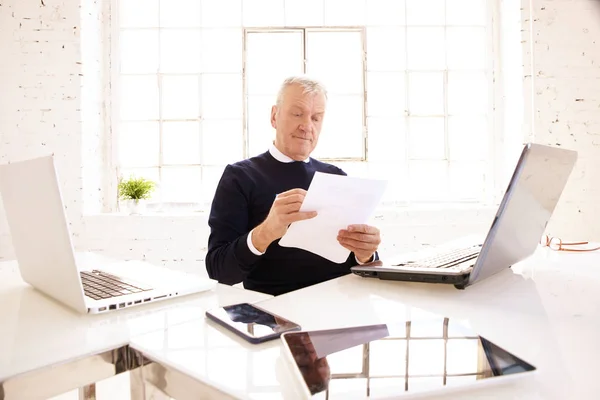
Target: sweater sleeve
<point x="229" y="260"/>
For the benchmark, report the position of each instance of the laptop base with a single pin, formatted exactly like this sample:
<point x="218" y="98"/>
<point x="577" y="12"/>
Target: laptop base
<point x="459" y="281"/>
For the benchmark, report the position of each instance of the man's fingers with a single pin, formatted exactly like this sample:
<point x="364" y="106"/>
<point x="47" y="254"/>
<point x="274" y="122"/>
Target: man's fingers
<point x="300" y="216"/>
<point x="288" y="208"/>
<point x="363" y="228"/>
<point x="293" y="198"/>
<point x="358" y="245"/>
<point x="292" y="192"/>
<point x="361" y="237"/>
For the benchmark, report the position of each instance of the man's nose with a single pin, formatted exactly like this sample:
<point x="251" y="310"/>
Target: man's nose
<point x="306" y="125"/>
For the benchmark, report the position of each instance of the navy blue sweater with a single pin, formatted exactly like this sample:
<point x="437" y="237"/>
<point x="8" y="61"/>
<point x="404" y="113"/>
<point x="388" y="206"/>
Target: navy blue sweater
<point x="242" y="201"/>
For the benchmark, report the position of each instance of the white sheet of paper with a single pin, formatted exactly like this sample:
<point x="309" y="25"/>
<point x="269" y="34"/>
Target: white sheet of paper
<point x="339" y="201"/>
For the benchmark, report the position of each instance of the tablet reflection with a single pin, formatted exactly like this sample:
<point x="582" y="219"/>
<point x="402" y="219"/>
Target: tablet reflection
<point x="386" y="360"/>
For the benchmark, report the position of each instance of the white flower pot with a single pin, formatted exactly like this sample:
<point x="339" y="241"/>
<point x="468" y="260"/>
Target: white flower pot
<point x="137" y="206"/>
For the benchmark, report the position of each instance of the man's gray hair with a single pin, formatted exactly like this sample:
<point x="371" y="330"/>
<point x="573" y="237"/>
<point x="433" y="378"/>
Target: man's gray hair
<point x="310" y="85"/>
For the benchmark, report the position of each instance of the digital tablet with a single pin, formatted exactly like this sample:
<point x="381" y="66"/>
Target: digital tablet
<point x="391" y="361"/>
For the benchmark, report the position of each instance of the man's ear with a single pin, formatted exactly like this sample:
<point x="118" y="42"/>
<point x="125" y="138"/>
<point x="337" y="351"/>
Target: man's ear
<point x="274" y="117"/>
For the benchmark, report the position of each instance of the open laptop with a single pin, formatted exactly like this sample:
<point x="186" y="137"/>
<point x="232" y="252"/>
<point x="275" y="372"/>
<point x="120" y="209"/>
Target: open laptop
<point x="47" y="261"/>
<point x="528" y="203"/>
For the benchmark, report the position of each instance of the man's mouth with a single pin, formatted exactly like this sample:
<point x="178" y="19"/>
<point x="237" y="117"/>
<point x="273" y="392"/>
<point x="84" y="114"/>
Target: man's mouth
<point x="302" y="138"/>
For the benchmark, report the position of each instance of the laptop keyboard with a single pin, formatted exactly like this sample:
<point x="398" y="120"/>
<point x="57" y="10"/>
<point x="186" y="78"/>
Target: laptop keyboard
<point x="446" y="259"/>
<point x="100" y="285"/>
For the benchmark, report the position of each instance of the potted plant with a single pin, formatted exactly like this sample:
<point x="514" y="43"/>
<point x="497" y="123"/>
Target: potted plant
<point x="135" y="191"/>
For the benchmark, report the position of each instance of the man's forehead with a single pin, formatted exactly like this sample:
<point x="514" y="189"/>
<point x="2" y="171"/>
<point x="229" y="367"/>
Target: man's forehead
<point x="299" y="97"/>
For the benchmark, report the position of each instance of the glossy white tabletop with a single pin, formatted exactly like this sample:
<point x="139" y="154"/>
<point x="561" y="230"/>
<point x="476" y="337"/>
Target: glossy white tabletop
<point x="545" y="310"/>
<point x="36" y="331"/>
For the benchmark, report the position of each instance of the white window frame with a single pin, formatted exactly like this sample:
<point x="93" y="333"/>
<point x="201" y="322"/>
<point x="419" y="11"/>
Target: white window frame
<point x="496" y="166"/>
<point x="305" y="30"/>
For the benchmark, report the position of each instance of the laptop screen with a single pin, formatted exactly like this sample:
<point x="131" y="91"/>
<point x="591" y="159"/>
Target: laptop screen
<point x="389" y="360"/>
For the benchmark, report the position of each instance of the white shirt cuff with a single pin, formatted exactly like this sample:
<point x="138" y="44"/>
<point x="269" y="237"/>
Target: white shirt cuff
<point x="360" y="263"/>
<point x="251" y="246"/>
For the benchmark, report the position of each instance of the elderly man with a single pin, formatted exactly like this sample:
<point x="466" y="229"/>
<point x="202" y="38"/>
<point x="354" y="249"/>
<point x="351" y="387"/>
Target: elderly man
<point x="258" y="198"/>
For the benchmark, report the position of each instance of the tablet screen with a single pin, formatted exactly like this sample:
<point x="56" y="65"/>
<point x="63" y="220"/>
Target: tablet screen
<point x="388" y="360"/>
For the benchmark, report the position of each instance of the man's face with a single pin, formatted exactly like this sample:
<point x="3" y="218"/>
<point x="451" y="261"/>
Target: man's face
<point x="298" y="121"/>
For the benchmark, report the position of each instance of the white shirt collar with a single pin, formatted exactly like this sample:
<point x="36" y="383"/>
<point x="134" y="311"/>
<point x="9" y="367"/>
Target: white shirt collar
<point x="279" y="156"/>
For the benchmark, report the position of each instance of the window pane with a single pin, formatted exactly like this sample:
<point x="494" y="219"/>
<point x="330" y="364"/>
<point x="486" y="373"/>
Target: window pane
<point x="181" y="184"/>
<point x="386" y="49"/>
<point x="264" y="13"/>
<point x="222" y="96"/>
<point x="180" y="97"/>
<point x="138" y="13"/>
<point x="387" y="357"/>
<point x="342" y="133"/>
<point x="180" y="50"/>
<point x="385" y="12"/>
<point x="426" y="357"/>
<point x="466" y="48"/>
<point x="468" y="138"/>
<point x="266" y="77"/>
<point x="346" y="361"/>
<point x="339" y="388"/>
<point x="467" y="93"/>
<point x="222" y="141"/>
<point x="181" y="143"/>
<point x="462" y="356"/>
<point x="138" y="51"/>
<point x="466" y="12"/>
<point x="146" y="173"/>
<point x="260" y="131"/>
<point x="427" y="138"/>
<point x="387" y="138"/>
<point x="386" y="94"/>
<point x="222" y="50"/>
<point x="138" y="98"/>
<point x="430" y="12"/>
<point x="426" y="93"/>
<point x="303" y="12"/>
<point x="426" y="48"/>
<point x="467" y="180"/>
<point x="221" y="13"/>
<point x="428" y="182"/>
<point x="138" y="144"/>
<point x="345" y="12"/>
<point x="341" y="71"/>
<point x="180" y="13"/>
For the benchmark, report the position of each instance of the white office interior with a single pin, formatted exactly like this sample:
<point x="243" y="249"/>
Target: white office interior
<point x="437" y="97"/>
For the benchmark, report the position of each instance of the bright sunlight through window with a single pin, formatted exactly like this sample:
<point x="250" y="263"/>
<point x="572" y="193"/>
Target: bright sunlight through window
<point x="410" y="89"/>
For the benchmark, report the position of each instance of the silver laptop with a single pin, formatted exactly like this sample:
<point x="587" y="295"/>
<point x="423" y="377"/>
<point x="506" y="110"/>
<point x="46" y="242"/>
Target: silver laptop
<point x="47" y="261"/>
<point x="528" y="203"/>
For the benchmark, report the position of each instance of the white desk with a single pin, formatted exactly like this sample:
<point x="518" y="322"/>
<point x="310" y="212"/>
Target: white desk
<point x="545" y="310"/>
<point x="43" y="342"/>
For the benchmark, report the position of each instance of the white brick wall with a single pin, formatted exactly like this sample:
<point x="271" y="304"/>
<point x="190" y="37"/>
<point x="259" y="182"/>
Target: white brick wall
<point x="40" y="93"/>
<point x="566" y="81"/>
<point x="40" y="102"/>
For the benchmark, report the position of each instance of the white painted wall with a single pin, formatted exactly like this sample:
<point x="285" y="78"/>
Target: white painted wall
<point x="41" y="72"/>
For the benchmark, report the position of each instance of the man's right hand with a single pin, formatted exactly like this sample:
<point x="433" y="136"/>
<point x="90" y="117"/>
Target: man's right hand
<point x="284" y="211"/>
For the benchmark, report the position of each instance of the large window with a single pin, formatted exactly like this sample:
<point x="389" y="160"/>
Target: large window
<point x="410" y="85"/>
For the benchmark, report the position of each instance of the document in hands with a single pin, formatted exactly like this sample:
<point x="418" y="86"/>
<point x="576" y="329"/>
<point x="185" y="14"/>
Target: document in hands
<point x="339" y="201"/>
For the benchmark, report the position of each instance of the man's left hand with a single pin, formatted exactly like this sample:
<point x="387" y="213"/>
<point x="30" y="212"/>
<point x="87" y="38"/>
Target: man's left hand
<point x="362" y="240"/>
